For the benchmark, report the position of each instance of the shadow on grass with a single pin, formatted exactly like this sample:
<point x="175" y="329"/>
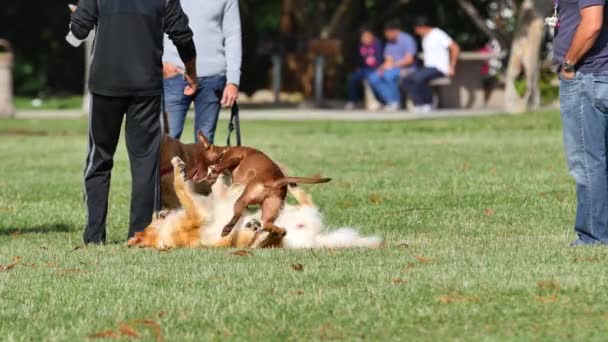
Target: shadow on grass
<point x="41" y="229"/>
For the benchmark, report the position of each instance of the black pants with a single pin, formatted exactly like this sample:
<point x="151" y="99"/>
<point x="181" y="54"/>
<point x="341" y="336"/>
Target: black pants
<point x="144" y="136"/>
<point x="417" y="85"/>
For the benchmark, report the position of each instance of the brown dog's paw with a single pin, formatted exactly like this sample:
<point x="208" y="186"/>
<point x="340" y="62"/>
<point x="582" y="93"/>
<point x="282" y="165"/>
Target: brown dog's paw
<point x="280" y="232"/>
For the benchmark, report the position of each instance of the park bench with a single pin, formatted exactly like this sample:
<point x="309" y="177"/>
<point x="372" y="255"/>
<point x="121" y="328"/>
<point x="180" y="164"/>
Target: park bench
<point x="466" y="90"/>
<point x="372" y="103"/>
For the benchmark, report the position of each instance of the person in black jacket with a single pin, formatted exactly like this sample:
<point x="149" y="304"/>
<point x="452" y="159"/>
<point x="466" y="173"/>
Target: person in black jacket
<point x="126" y="78"/>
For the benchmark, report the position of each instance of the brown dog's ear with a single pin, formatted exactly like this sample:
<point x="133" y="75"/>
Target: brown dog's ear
<point x="203" y="140"/>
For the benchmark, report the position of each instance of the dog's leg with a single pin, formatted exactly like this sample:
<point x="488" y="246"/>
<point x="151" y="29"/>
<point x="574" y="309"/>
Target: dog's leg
<point x="239" y="208"/>
<point x="183" y="190"/>
<point x="271" y="207"/>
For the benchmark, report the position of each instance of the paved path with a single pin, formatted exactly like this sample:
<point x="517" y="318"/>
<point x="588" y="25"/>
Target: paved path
<point x="295" y="114"/>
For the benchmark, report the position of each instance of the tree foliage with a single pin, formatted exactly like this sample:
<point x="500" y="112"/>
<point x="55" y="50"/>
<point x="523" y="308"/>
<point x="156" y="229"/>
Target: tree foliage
<point x="46" y="64"/>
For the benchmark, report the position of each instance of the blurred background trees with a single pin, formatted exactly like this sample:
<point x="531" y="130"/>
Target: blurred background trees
<point x="46" y="65"/>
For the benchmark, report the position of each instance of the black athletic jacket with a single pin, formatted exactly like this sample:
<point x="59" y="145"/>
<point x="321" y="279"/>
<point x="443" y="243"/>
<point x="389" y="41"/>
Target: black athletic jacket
<point x="128" y="48"/>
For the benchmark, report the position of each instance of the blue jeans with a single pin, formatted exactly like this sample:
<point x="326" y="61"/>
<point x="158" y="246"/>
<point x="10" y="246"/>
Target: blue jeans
<point x="417" y="85"/>
<point x="386" y="86"/>
<point x="206" y="105"/>
<point x="354" y="84"/>
<point x="584" y="111"/>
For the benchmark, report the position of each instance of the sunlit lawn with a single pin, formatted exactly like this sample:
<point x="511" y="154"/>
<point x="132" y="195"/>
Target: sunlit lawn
<point x="477" y="214"/>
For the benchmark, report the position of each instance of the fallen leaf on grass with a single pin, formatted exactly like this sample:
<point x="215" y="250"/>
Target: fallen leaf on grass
<point x="493" y="170"/>
<point x="127" y="330"/>
<point x="16" y="258"/>
<point x="410" y="266"/>
<point x="375" y="199"/>
<point x="550" y="285"/>
<point x="5" y="210"/>
<point x="448" y="299"/>
<point x="154" y="326"/>
<point x="464" y="166"/>
<point x="105" y="334"/>
<point x="51" y="264"/>
<point x="423" y="260"/>
<point x="587" y="259"/>
<point x="297" y="267"/>
<point x="15" y="233"/>
<point x="345" y="204"/>
<point x="8" y="267"/>
<point x="77" y="248"/>
<point x="298" y="292"/>
<point x="439" y="142"/>
<point x="398" y="281"/>
<point x="242" y="253"/>
<point x="489" y="212"/>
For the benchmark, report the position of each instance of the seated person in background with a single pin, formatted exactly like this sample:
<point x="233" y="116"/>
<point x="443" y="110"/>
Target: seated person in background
<point x="399" y="55"/>
<point x="368" y="61"/>
<point x="440" y="58"/>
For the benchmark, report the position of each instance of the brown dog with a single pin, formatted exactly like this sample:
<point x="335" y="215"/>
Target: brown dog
<point x="190" y="154"/>
<point x="264" y="182"/>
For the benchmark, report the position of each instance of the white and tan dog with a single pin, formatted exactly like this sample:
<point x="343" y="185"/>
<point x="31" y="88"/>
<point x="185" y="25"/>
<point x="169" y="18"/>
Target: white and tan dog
<point x="201" y="220"/>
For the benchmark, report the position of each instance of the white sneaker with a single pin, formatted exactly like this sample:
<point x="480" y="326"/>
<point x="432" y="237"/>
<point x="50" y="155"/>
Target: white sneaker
<point x="392" y="107"/>
<point x="350" y="106"/>
<point x="374" y="107"/>
<point x="424" y="109"/>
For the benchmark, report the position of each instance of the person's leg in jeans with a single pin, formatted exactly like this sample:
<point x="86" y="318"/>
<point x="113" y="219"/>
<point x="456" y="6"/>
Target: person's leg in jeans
<point x="144" y="137"/>
<point x="207" y="105"/>
<point x="354" y="85"/>
<point x="105" y="121"/>
<point x="584" y="125"/>
<point x="385" y="86"/>
<point x="176" y="104"/>
<point x="417" y="85"/>
<point x="393" y="94"/>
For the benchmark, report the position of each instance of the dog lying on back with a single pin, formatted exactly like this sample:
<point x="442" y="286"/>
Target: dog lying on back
<point x="263" y="180"/>
<point x="201" y="220"/>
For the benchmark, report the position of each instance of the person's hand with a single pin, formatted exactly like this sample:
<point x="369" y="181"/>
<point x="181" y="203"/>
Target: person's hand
<point x="231" y="94"/>
<point x="451" y="72"/>
<point x="170" y="70"/>
<point x="192" y="86"/>
<point x="72" y="8"/>
<point x="565" y="75"/>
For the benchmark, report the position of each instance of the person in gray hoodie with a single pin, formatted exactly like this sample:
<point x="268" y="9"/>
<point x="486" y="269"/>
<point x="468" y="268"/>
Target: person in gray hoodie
<point x="217" y="35"/>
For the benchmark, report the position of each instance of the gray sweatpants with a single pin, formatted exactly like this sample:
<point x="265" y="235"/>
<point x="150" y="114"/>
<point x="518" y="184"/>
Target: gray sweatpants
<point x="143" y="137"/>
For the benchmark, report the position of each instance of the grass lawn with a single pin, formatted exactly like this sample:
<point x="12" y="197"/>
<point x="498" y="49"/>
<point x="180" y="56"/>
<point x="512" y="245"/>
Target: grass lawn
<point x="477" y="214"/>
<point x="52" y="103"/>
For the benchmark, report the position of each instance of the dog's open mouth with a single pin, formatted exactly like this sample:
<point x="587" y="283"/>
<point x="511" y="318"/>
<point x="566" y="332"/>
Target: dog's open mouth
<point x="194" y="175"/>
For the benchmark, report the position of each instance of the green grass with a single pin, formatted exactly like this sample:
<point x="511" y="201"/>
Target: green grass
<point x="477" y="214"/>
<point x="52" y="103"/>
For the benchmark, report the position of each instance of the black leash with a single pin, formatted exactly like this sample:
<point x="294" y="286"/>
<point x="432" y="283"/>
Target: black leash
<point x="234" y="125"/>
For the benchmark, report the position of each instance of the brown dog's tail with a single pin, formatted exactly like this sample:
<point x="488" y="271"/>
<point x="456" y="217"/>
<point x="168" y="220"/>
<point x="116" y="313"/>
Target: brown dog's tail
<point x="298" y="180"/>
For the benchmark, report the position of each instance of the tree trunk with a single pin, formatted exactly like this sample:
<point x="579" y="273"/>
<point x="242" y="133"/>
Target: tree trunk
<point x="471" y="11"/>
<point x="6" y="80"/>
<point x="524" y="63"/>
<point x="340" y="24"/>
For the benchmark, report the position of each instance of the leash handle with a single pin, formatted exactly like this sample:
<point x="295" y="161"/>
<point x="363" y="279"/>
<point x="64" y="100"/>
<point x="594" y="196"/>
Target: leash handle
<point x="234" y="125"/>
